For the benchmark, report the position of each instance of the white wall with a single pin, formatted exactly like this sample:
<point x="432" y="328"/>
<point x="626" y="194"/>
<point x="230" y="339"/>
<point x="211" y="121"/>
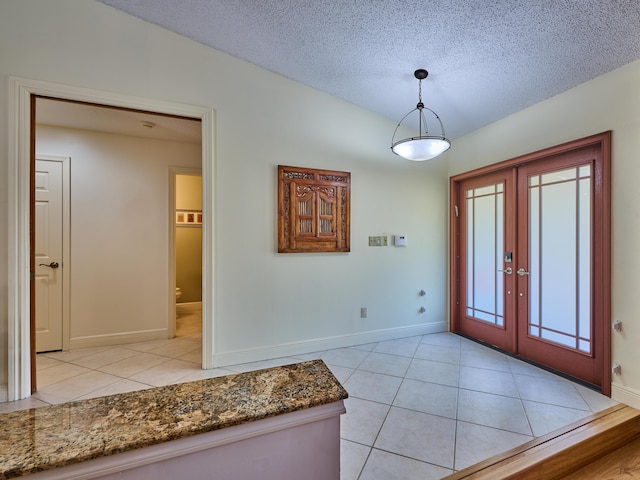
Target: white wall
<point x="263" y="301"/>
<point x="120" y="226"/>
<point x="610" y="102"/>
<point x="188" y="192"/>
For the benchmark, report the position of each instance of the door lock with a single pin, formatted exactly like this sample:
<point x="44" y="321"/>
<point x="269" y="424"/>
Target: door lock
<point x="50" y="265"/>
<point x="507" y="270"/>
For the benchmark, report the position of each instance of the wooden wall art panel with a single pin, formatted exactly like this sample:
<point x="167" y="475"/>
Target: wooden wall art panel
<point x="313" y="210"/>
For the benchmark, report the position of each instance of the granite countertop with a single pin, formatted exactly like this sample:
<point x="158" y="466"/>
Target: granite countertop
<point x="48" y="437"/>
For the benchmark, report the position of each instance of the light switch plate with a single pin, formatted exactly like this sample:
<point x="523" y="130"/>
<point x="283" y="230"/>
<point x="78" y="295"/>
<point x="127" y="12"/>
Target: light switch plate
<point x="379" y="241"/>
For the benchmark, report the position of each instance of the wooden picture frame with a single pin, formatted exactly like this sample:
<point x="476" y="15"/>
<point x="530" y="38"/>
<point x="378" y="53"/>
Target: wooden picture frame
<point x="314" y="210"/>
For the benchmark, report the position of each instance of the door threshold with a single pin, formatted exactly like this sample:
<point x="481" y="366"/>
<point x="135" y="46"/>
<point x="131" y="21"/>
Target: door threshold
<point x="603" y="445"/>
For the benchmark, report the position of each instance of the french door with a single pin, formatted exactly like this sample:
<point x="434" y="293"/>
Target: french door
<point x="487" y="243"/>
<point x="530" y="263"/>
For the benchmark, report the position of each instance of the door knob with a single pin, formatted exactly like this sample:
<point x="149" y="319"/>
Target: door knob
<point x="507" y="270"/>
<point x="50" y="265"/>
<point x="522" y="272"/>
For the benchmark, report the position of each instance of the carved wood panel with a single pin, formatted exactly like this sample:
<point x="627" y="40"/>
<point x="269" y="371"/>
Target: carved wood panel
<point x="313" y="210"/>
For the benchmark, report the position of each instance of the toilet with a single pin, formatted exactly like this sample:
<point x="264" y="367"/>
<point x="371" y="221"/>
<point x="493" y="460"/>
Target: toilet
<point x="178" y="293"/>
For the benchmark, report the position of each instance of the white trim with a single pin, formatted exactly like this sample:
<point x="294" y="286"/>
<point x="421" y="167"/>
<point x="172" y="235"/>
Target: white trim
<point x="628" y="396"/>
<point x="3" y="394"/>
<point x="18" y="341"/>
<point x="20" y="91"/>
<point x="209" y="303"/>
<point x="118" y="338"/>
<point x="66" y="242"/>
<point x="328" y="343"/>
<point x="171" y="317"/>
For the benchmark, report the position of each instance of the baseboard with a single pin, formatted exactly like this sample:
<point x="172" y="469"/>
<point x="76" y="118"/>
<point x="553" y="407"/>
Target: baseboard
<point x="4" y="394"/>
<point x="626" y="395"/>
<point x="328" y="343"/>
<point x="118" y="338"/>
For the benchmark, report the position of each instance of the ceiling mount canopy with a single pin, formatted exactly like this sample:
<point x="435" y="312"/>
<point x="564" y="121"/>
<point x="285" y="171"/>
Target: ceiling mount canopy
<point x="425" y="146"/>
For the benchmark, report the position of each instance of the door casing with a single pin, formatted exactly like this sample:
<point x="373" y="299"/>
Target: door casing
<point x="21" y="155"/>
<point x="602" y="242"/>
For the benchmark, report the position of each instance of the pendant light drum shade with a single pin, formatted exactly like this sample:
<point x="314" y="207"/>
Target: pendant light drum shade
<point x="425" y="146"/>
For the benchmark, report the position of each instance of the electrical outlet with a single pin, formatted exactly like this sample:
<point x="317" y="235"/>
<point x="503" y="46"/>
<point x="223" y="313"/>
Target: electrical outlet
<point x="363" y="312"/>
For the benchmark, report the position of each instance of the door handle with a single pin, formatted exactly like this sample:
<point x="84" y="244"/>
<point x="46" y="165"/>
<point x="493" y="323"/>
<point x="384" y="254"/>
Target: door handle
<point x="50" y="265"/>
<point x="507" y="270"/>
<point x="522" y="272"/>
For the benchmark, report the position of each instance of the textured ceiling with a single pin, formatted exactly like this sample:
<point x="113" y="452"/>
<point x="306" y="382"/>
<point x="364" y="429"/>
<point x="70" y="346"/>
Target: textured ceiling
<point x="486" y="58"/>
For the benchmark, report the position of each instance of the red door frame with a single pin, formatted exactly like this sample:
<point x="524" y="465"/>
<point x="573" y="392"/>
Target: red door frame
<point x="602" y="240"/>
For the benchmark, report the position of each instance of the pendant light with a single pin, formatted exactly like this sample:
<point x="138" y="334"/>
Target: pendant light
<point x="425" y="146"/>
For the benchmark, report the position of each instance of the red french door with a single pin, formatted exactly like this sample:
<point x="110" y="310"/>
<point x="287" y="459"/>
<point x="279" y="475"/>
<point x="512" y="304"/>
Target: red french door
<point x="487" y="242"/>
<point x="530" y="263"/>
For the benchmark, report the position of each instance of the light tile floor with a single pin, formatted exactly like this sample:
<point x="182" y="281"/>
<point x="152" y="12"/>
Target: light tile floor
<point x="419" y="407"/>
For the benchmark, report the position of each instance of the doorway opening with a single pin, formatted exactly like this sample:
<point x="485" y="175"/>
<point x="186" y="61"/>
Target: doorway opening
<point x="116" y="291"/>
<point x="530" y="258"/>
<point x="21" y="371"/>
<point x="119" y="218"/>
<point x="188" y="252"/>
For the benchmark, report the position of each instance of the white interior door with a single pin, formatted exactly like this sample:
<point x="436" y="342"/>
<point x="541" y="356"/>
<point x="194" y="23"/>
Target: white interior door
<point x="49" y="230"/>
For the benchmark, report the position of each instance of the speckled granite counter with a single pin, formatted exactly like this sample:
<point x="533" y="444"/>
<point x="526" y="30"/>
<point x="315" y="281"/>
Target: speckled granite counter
<point x="45" y="438"/>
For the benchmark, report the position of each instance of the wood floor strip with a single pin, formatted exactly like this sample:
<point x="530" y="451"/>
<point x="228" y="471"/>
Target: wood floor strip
<point x="560" y="453"/>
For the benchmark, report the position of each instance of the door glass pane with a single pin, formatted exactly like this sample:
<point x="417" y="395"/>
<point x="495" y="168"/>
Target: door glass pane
<point x="584" y="260"/>
<point x="584" y="171"/>
<point x="559" y="176"/>
<point x="485" y="244"/>
<point x="499" y="253"/>
<point x="534" y="257"/>
<point x="479" y="192"/>
<point x="560" y="257"/>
